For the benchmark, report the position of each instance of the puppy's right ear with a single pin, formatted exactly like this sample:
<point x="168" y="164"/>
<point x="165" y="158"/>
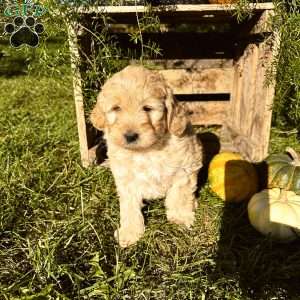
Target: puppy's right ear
<point x="177" y="120"/>
<point x="97" y="116"/>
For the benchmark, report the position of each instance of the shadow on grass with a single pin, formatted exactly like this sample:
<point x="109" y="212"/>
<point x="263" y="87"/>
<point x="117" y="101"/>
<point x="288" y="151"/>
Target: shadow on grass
<point x="13" y="66"/>
<point x="210" y="147"/>
<point x="257" y="266"/>
<point x="247" y="264"/>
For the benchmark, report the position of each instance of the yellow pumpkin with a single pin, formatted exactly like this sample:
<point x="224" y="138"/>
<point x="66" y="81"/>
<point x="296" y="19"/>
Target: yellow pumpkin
<point x="231" y="177"/>
<point x="276" y="212"/>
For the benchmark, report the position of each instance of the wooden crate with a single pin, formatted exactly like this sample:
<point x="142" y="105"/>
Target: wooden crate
<point x="219" y="75"/>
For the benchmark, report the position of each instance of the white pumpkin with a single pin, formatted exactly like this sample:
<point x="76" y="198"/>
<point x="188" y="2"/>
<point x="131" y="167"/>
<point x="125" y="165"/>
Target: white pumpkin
<point x="276" y="212"/>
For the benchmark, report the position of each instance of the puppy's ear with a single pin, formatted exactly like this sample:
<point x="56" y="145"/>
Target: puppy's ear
<point x="177" y="119"/>
<point x="97" y="116"/>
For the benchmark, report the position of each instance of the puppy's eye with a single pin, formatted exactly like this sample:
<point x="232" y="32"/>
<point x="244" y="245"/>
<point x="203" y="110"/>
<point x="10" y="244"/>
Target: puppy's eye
<point x="116" y="108"/>
<point x="147" y="108"/>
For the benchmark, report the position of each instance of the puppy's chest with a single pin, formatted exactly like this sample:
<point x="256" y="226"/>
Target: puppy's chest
<point x="153" y="168"/>
<point x="151" y="175"/>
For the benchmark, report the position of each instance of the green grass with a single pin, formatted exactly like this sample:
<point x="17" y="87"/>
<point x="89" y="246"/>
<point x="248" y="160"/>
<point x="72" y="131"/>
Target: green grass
<point x="57" y="218"/>
<point x="286" y="106"/>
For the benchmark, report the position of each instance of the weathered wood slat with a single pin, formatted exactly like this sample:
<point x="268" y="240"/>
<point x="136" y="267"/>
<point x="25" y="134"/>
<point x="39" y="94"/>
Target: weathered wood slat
<point x="189" y="64"/>
<point x="181" y="13"/>
<point x="199" y="81"/>
<point x="180" y="8"/>
<point x="207" y="113"/>
<point x="78" y="96"/>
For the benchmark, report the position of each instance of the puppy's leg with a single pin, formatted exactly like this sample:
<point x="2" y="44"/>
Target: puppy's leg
<point x="131" y="220"/>
<point x="180" y="200"/>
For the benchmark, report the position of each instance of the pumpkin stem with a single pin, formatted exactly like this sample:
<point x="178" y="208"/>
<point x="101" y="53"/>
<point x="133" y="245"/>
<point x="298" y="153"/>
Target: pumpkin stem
<point x="294" y="155"/>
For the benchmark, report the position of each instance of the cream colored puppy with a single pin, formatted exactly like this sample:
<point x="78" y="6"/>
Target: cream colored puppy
<point x="152" y="150"/>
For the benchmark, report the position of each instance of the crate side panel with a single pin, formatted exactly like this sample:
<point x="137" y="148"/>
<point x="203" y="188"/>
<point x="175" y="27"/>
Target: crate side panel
<point x="264" y="94"/>
<point x="251" y="106"/>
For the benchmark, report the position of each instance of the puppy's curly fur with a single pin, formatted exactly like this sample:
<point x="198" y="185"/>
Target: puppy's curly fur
<point x="152" y="150"/>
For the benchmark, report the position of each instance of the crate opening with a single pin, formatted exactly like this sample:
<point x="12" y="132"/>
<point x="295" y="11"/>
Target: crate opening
<point x="203" y="97"/>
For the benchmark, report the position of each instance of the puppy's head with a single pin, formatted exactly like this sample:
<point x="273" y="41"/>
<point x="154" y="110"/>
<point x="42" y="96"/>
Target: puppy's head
<point x="137" y="109"/>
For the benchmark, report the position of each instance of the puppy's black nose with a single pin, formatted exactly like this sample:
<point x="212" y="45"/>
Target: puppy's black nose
<point x="131" y="137"/>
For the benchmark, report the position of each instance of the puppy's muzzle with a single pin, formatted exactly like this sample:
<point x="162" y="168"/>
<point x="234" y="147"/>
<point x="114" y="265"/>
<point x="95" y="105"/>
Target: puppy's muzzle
<point x="131" y="137"/>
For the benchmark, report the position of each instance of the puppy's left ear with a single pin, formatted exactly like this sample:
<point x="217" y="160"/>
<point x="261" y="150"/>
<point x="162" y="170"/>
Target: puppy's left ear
<point x="177" y="119"/>
<point x="97" y="116"/>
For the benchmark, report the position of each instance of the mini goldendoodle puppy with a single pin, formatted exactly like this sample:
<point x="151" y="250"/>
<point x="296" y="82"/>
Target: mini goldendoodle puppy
<point x="152" y="150"/>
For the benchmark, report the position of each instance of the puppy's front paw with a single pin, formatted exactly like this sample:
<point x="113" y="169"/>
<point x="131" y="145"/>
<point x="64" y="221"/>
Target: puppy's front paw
<point x="182" y="217"/>
<point x="127" y="236"/>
